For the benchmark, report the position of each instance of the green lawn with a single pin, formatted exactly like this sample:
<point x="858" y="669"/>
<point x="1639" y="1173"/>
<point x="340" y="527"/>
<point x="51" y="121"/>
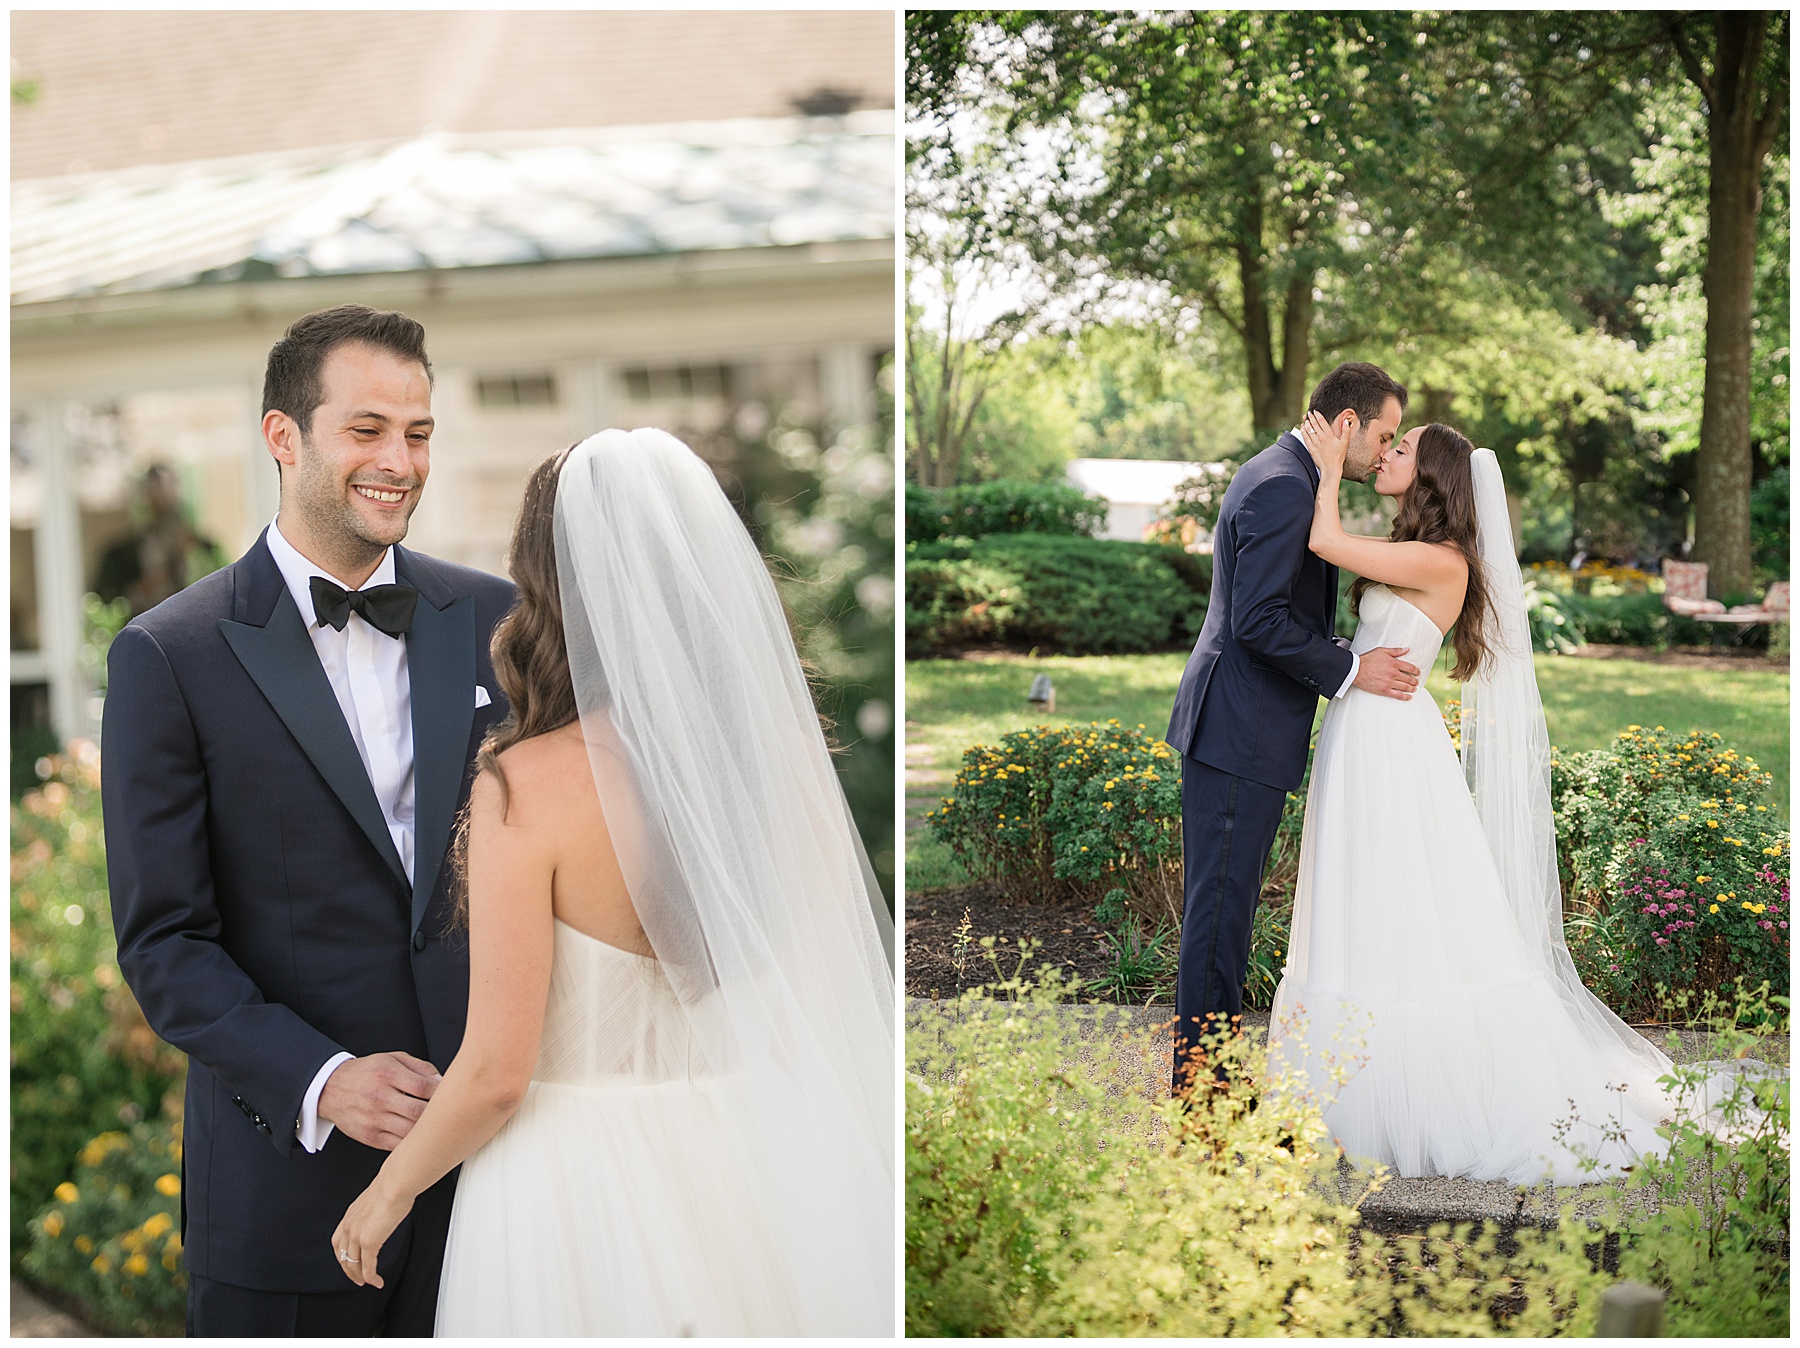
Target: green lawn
<point x="951" y="704"/>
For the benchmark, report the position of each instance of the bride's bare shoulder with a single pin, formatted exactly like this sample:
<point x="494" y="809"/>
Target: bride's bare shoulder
<point x="546" y="776"/>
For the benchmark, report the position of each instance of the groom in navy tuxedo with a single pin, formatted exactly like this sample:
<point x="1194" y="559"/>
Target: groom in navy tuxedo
<point x="1244" y="710"/>
<point x="287" y="745"/>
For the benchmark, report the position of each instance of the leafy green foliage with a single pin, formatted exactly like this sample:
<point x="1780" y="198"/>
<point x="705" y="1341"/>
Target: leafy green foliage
<point x="83" y="1060"/>
<point x="111" y="1239"/>
<point x="822" y="508"/>
<point x="1719" y="1198"/>
<point x="1770" y="503"/>
<point x="1676" y="869"/>
<point x="1080" y="595"/>
<point x="1092" y="808"/>
<point x="1053" y="1189"/>
<point x="1003" y="507"/>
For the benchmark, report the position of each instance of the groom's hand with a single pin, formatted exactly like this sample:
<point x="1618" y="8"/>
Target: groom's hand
<point x="378" y="1099"/>
<point x="1382" y="672"/>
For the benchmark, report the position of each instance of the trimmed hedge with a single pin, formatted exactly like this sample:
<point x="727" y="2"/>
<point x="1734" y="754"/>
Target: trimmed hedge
<point x="1080" y="596"/>
<point x="1003" y="507"/>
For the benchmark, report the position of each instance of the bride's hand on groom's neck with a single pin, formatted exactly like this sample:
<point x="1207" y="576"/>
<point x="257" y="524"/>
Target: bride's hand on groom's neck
<point x="1328" y="443"/>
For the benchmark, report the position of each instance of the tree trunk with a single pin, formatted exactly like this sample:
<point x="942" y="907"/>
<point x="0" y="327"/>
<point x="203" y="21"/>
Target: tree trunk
<point x="1289" y="403"/>
<point x="1739" y="140"/>
<point x="1277" y="393"/>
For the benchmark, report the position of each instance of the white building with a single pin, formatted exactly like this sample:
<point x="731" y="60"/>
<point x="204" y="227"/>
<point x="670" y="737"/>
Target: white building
<point x="1136" y="490"/>
<point x="694" y="275"/>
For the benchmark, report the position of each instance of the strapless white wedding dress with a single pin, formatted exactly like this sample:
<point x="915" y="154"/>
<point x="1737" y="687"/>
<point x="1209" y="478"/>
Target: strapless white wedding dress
<point x="618" y="1199"/>
<point x="1403" y="937"/>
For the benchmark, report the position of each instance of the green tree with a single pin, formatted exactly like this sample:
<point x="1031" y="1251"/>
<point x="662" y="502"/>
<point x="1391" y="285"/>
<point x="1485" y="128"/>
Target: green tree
<point x="1738" y="61"/>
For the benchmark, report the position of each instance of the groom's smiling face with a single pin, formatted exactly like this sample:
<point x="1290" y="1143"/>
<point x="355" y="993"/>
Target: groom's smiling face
<point x="356" y="472"/>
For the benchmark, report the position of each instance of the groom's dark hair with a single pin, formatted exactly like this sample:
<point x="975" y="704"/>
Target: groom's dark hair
<point x="292" y="382"/>
<point x="1358" y="385"/>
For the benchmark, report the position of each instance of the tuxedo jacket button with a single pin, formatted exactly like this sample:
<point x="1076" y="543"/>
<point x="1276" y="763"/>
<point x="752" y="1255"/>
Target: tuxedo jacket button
<point x="418" y="940"/>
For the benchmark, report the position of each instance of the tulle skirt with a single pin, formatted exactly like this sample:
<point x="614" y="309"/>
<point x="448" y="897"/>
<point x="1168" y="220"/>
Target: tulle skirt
<point x="612" y="1210"/>
<point x="1464" y="1055"/>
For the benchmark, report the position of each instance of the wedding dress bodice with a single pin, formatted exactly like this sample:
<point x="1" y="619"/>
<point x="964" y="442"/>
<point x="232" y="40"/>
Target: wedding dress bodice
<point x="1388" y="620"/>
<point x="612" y="1019"/>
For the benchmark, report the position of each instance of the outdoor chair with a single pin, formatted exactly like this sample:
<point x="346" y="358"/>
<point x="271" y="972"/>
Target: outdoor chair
<point x="1684" y="593"/>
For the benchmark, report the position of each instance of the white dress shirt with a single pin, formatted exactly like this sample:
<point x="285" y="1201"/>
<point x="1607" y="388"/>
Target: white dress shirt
<point x="368" y="673"/>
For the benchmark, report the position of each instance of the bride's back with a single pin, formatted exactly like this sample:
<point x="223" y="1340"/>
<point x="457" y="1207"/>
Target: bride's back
<point x="552" y="797"/>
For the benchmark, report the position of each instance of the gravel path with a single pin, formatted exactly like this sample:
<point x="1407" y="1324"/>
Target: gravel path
<point x="35" y="1318"/>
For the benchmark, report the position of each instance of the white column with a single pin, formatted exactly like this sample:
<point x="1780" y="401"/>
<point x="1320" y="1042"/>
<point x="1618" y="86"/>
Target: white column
<point x="590" y="390"/>
<point x="848" y="378"/>
<point x="60" y="581"/>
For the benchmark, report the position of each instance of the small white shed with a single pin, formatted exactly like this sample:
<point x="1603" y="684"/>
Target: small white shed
<point x="1136" y="490"/>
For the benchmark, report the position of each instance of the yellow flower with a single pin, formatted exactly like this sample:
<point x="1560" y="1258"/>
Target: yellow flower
<point x="1750" y="906"/>
<point x="170" y="1259"/>
<point x="1713" y="907"/>
<point x="53" y="1225"/>
<point x="1682" y="817"/>
<point x="67" y="1193"/>
<point x="1712" y="823"/>
<point x="84" y="1243"/>
<point x="1702" y="879"/>
<point x="137" y="1266"/>
<point x="158" y="1223"/>
<point x="101" y="1265"/>
<point x="131" y="1239"/>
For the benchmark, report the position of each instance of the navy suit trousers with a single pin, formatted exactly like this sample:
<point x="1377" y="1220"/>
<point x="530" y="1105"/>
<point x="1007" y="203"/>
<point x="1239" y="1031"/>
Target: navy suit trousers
<point x="1228" y="824"/>
<point x="405" y="1308"/>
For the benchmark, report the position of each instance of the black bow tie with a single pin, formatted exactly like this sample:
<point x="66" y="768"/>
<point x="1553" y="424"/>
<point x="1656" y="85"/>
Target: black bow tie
<point x="386" y="608"/>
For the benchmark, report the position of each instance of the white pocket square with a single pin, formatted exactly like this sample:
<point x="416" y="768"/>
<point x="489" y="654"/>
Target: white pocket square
<point x="481" y="696"/>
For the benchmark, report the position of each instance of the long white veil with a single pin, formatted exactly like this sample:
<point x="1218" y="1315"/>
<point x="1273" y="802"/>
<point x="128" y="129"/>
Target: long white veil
<point x="1506" y="758"/>
<point x="742" y="859"/>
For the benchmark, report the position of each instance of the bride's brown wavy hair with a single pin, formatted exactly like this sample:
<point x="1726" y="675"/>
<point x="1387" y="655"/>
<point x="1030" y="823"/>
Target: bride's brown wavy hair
<point x="531" y="662"/>
<point x="1439" y="507"/>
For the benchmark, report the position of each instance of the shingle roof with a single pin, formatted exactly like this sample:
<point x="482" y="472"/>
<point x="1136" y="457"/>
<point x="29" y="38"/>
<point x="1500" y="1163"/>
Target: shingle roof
<point x="443" y="201"/>
<point x="119" y="88"/>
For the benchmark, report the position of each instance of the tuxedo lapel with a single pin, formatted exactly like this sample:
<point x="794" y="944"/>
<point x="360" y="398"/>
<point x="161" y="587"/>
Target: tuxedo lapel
<point x="280" y="657"/>
<point x="440" y="662"/>
<point x="1293" y="444"/>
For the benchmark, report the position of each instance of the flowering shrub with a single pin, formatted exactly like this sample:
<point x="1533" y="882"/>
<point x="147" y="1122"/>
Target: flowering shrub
<point x="1078" y="808"/>
<point x="1598" y="578"/>
<point x="111" y="1239"/>
<point x="83" y="1060"/>
<point x="1675" y="869"/>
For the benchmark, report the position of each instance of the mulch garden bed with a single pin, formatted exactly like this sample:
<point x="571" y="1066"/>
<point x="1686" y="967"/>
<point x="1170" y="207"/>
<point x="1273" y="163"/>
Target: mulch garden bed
<point x="1065" y="929"/>
<point x="1719" y="659"/>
